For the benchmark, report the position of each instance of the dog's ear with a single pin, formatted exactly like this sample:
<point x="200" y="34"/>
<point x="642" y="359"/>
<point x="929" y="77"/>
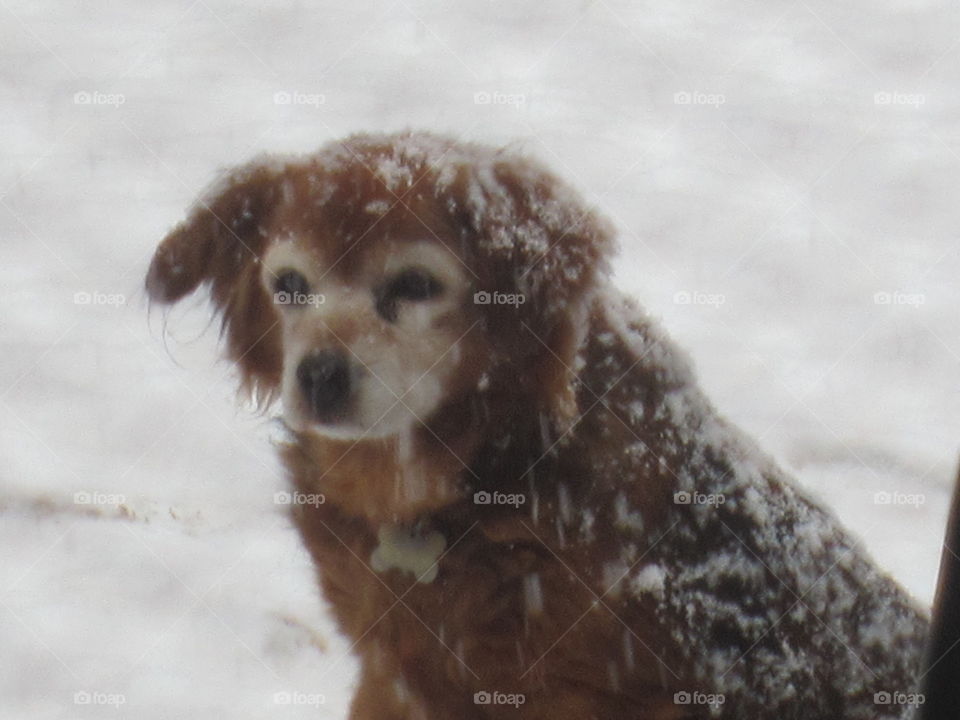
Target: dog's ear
<point x="220" y="244"/>
<point x="537" y="241"/>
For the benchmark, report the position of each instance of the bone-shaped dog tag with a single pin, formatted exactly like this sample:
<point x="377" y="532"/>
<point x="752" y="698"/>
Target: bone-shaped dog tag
<point x="406" y="551"/>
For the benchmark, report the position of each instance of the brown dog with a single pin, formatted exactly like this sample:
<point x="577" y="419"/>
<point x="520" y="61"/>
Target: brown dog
<point x="530" y="509"/>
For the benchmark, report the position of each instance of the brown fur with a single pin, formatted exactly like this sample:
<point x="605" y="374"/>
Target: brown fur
<point x="522" y="416"/>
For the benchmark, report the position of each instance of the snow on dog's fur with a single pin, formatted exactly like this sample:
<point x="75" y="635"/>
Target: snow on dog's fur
<point x="530" y="509"/>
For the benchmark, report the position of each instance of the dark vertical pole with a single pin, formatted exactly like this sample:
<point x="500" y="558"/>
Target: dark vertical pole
<point x="941" y="681"/>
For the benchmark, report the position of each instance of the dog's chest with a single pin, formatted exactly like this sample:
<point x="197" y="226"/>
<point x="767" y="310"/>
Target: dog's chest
<point x="426" y="591"/>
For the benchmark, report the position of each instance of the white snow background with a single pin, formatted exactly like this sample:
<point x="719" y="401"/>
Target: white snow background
<point x="784" y="176"/>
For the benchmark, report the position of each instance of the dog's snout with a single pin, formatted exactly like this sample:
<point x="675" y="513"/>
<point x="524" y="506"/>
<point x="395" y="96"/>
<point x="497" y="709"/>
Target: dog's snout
<point x="324" y="379"/>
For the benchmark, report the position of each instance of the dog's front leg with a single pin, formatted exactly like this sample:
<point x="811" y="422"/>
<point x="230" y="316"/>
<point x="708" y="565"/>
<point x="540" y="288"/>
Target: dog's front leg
<point x="384" y="696"/>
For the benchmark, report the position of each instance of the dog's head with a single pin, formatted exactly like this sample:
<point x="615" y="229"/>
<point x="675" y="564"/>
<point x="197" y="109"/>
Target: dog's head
<point x="385" y="280"/>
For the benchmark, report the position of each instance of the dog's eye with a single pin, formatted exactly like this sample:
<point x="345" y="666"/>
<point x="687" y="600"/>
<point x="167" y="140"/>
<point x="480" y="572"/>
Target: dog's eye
<point x="290" y="284"/>
<point x="412" y="285"/>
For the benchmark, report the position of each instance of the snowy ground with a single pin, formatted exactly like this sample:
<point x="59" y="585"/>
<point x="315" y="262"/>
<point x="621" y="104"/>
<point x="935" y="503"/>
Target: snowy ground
<point x="783" y="175"/>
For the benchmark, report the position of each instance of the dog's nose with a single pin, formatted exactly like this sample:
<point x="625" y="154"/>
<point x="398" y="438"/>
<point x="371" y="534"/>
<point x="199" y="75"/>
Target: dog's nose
<point x="324" y="379"/>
